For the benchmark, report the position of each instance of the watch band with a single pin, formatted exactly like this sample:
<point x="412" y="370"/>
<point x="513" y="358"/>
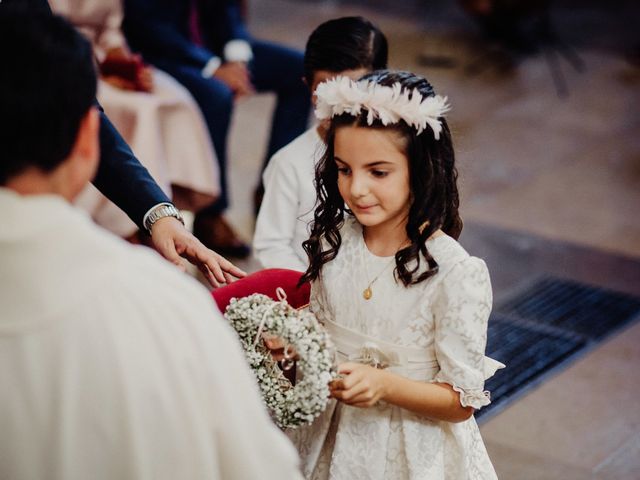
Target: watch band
<point x="160" y="211"/>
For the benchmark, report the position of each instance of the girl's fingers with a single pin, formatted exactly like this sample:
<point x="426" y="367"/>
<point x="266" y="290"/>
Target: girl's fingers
<point x="364" y="397"/>
<point x="352" y="379"/>
<point x="336" y="384"/>
<point x="347" y="367"/>
<point x="348" y="394"/>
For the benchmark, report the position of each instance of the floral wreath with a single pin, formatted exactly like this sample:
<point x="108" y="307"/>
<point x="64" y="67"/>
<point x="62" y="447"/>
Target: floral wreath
<point x="388" y="104"/>
<point x="290" y="406"/>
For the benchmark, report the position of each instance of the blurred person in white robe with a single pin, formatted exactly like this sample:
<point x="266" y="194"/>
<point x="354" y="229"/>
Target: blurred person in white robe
<point x="155" y="114"/>
<point x="113" y="364"/>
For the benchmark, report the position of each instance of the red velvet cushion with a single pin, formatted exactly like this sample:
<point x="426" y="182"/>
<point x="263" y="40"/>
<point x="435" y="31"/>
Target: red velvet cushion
<point x="265" y="282"/>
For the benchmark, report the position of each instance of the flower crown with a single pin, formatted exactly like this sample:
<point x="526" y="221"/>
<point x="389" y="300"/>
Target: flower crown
<point x="388" y="104"/>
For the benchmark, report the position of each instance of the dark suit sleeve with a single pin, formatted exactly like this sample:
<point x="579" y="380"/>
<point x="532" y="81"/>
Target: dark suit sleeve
<point x="121" y="177"/>
<point x="156" y="33"/>
<point x="236" y="23"/>
<point x="220" y="22"/>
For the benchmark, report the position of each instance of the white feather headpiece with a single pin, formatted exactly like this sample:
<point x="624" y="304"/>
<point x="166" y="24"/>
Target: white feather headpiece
<point x="388" y="104"/>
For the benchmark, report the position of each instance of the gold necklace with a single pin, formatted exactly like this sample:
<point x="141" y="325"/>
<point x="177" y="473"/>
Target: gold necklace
<point x="367" y="293"/>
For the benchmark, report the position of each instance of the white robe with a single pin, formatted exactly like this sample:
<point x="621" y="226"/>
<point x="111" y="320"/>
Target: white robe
<point x="115" y="365"/>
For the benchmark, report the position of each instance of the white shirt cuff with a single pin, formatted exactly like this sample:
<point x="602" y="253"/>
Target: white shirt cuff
<point x="238" y="51"/>
<point x="210" y="68"/>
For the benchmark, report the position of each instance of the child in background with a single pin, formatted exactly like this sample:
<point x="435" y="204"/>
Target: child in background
<point x="349" y="46"/>
<point x="404" y="303"/>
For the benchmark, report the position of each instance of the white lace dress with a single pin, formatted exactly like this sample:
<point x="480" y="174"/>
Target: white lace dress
<point x="434" y="331"/>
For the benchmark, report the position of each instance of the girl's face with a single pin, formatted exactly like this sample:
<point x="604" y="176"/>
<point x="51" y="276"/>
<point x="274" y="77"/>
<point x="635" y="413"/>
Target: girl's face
<point x="373" y="176"/>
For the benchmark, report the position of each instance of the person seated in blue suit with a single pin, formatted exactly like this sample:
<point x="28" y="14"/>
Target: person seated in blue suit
<point x="204" y="45"/>
<point x="128" y="184"/>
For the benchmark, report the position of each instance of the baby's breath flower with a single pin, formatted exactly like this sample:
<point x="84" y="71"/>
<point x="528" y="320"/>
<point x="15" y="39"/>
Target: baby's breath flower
<point x="290" y="406"/>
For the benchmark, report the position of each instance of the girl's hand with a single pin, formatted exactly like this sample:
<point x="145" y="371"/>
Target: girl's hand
<point x="362" y="386"/>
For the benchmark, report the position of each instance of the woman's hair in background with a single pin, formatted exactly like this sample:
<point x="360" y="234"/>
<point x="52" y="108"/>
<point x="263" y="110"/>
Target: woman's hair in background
<point x="346" y="43"/>
<point x="432" y="181"/>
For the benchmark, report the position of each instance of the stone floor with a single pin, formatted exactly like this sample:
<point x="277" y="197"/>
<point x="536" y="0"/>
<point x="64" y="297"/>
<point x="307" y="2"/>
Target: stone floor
<point x="549" y="184"/>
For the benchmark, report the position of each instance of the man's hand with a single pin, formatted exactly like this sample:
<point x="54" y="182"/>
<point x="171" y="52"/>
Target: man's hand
<point x="362" y="386"/>
<point x="237" y="77"/>
<point x="174" y="242"/>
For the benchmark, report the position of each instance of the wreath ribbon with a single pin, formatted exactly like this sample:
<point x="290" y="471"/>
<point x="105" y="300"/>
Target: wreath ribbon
<point x="282" y="297"/>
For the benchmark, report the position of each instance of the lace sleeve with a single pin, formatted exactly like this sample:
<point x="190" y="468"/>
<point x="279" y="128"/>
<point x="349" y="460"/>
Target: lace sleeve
<point x="461" y="314"/>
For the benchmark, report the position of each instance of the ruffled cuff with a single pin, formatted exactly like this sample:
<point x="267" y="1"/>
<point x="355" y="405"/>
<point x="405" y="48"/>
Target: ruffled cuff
<point x="474" y="397"/>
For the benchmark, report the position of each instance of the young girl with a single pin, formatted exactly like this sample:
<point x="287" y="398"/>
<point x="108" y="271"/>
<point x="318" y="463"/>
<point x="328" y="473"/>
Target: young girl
<point x="404" y="303"/>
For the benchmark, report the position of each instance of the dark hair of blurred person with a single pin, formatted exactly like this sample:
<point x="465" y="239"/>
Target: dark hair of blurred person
<point x="47" y="85"/>
<point x="364" y="46"/>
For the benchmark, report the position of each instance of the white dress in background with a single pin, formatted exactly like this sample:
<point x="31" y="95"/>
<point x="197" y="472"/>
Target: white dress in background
<point x="164" y="128"/>
<point x="287" y="207"/>
<point x="434" y="331"/>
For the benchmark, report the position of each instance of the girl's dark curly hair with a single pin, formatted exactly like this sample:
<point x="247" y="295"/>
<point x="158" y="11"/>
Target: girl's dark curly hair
<point x="432" y="180"/>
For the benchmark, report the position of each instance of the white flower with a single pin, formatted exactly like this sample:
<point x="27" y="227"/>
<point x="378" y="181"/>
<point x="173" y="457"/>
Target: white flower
<point x="387" y="104"/>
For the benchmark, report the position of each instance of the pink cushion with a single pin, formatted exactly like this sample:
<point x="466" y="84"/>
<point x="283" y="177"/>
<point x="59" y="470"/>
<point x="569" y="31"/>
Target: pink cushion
<point x="265" y="282"/>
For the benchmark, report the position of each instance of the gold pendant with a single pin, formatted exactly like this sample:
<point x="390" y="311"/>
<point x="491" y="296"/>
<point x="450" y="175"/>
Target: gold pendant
<point x="367" y="294"/>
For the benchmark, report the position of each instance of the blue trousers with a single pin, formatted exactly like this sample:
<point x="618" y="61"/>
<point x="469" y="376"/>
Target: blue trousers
<point x="273" y="69"/>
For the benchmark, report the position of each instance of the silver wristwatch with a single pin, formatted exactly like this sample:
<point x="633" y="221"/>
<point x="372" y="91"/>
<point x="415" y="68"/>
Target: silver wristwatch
<point x="160" y="211"/>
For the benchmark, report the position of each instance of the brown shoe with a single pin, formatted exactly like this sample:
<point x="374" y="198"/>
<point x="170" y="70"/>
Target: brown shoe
<point x="215" y="233"/>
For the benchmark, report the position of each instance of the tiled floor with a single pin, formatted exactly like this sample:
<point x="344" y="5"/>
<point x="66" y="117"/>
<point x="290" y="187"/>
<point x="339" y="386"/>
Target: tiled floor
<point x="548" y="185"/>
